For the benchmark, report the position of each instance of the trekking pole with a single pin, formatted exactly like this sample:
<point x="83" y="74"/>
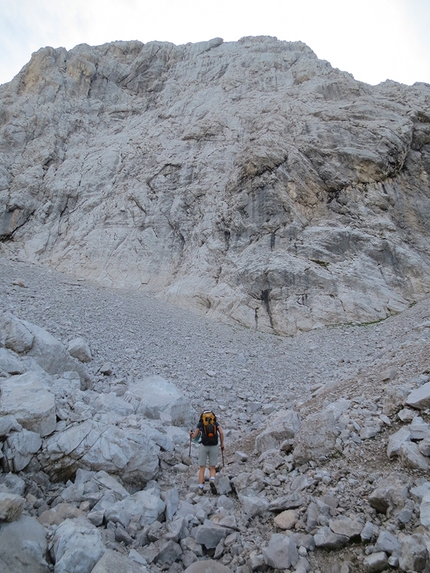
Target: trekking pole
<point x="222" y="453"/>
<point x="189" y="459"/>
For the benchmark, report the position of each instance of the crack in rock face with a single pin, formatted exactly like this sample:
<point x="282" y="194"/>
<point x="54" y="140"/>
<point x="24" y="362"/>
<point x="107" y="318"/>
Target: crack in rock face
<point x="247" y="180"/>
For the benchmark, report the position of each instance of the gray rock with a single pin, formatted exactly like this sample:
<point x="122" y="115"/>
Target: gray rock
<point x="10" y="363"/>
<point x="159" y="396"/>
<point x="171" y="499"/>
<point x="419" y="429"/>
<point x="80" y="349"/>
<point x="17" y="336"/>
<point x="316" y="438"/>
<point x="291" y="501"/>
<point x="253" y="505"/>
<point x="23" y="547"/>
<point x="282" y="426"/>
<point x="396" y="441"/>
<point x="241" y="456"/>
<point x="144" y="505"/>
<point x="346" y="526"/>
<point x="223" y="485"/>
<point x="177" y="529"/>
<point x="130" y="454"/>
<point x="169" y="553"/>
<point x="414" y="553"/>
<point x="190" y="544"/>
<point x="76" y="541"/>
<point x="11" y="506"/>
<point x="281" y="553"/>
<point x="420" y="397"/>
<point x="424" y="447"/>
<point x="411" y="456"/>
<point x="425" y="510"/>
<point x="12" y="483"/>
<point x="390" y="493"/>
<point x="327" y="539"/>
<point x="20" y="449"/>
<point x="207" y="566"/>
<point x="388" y="543"/>
<point x="28" y="398"/>
<point x="367" y="532"/>
<point x="52" y="356"/>
<point x="8" y="423"/>
<point x="113" y="561"/>
<point x="209" y="534"/>
<point x="375" y="562"/>
<point x="419" y="491"/>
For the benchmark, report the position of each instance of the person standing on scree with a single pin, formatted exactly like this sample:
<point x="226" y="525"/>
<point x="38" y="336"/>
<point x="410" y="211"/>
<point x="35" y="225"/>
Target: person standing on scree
<point x="209" y="429"/>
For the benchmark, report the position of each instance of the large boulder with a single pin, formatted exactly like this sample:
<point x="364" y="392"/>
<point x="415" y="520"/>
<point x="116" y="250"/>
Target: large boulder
<point x="282" y="425"/>
<point x="10" y="363"/>
<point x="160" y="398"/>
<point x="76" y="546"/>
<point x="281" y="552"/>
<point x="127" y="452"/>
<point x="17" y="336"/>
<point x="29" y="399"/>
<point x="23" y="547"/>
<point x="31" y="341"/>
<point x="144" y="506"/>
<point x="316" y="437"/>
<point x="11" y="506"/>
<point x="20" y="447"/>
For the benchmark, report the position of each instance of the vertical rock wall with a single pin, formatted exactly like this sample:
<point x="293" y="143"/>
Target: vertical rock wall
<point x="248" y="180"/>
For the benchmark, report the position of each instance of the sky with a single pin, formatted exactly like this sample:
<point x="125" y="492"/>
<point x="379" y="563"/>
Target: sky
<point x="374" y="40"/>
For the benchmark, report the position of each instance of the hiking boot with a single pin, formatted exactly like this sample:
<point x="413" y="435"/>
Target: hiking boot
<point x="200" y="491"/>
<point x="213" y="487"/>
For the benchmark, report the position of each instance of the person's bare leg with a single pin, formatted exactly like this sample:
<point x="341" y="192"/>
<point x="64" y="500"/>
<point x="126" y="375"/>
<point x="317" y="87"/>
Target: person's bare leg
<point x="212" y="480"/>
<point x="202" y="475"/>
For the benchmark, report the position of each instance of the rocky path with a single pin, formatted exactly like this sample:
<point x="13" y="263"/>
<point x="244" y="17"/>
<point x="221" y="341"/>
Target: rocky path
<point x="216" y="364"/>
<point x="246" y="376"/>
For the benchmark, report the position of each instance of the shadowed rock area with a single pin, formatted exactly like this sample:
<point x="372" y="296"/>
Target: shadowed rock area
<point x="249" y="180"/>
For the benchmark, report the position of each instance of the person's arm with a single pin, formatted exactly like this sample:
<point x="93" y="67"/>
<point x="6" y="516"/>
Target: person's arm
<point x="194" y="434"/>
<point x="221" y="436"/>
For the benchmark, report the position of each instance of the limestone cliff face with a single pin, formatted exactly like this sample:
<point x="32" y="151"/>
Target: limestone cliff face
<point x="248" y="180"/>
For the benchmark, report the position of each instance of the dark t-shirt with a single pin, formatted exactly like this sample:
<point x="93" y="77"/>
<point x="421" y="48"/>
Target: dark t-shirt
<point x="206" y="441"/>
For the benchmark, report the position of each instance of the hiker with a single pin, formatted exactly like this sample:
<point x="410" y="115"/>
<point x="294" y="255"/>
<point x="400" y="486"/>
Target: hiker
<point x="208" y="429"/>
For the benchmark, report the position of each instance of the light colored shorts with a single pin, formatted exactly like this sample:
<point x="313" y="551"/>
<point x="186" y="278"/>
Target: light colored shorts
<point x="210" y="452"/>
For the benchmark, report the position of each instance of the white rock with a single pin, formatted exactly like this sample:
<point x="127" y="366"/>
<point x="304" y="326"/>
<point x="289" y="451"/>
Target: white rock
<point x="158" y="396"/>
<point x="396" y="441"/>
<point x="30" y="401"/>
<point x="114" y="561"/>
<point x="77" y="546"/>
<point x="144" y="505"/>
<point x="425" y="510"/>
<point x="23" y="546"/>
<point x="420" y="397"/>
<point x="282" y="425"/>
<point x="11" y="506"/>
<point x="80" y="349"/>
<point x="21" y="447"/>
<point x="127" y="453"/>
<point x="281" y="552"/>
